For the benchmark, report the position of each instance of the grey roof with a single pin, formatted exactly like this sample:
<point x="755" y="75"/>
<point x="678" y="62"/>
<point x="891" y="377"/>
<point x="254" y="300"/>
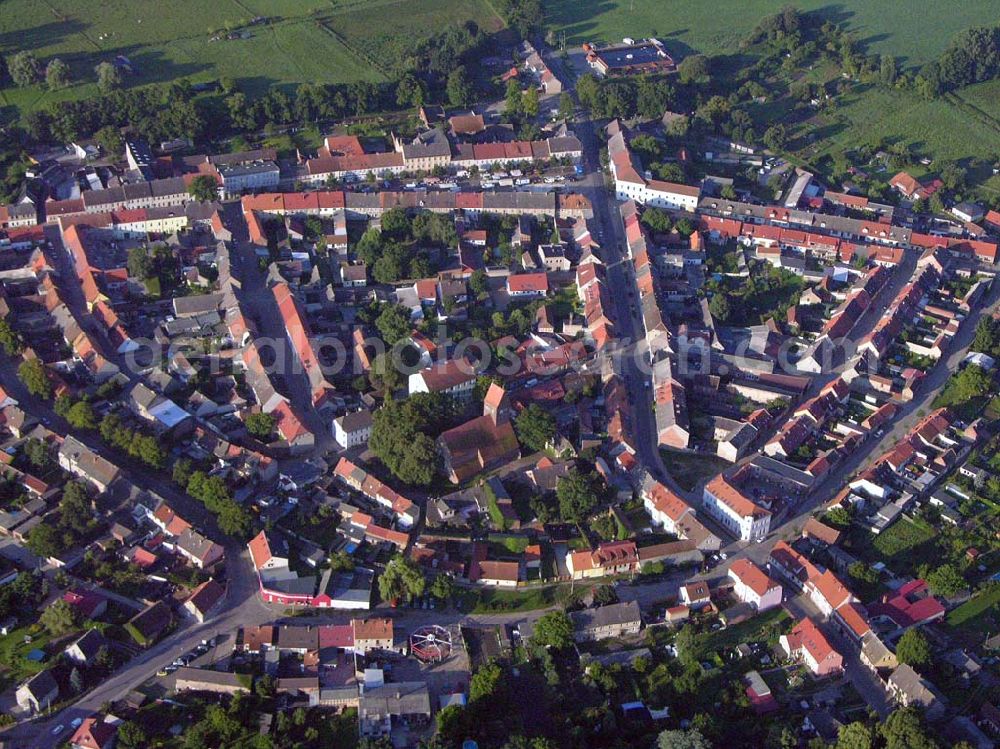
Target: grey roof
<point x="873" y="648"/>
<point x="606" y="616"/>
<point x="195" y="544"/>
<point x="355" y="420"/>
<point x="162" y="188"/>
<point x="143" y="396"/>
<point x="293" y="637"/>
<point x="91" y="464"/>
<point x="241" y="170"/>
<point x="917" y="689"/>
<point x="241" y="157"/>
<point x="840" y="225"/>
<point x="565" y="144"/>
<point x="41" y="685"/>
<point x="89" y="643"/>
<point x="187" y="306"/>
<point x="400" y="698"/>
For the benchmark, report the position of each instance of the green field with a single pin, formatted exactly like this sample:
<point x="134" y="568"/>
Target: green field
<point x="316" y="41"/>
<point x="913" y="31"/>
<point x="955" y="127"/>
<point x="980" y="614"/>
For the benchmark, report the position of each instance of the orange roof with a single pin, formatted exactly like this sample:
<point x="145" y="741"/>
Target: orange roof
<point x="833" y="591"/>
<point x="820" y="531"/>
<point x="667" y="502"/>
<point x="806" y="635"/>
<point x="494" y="570"/>
<point x="855" y="617"/>
<point x="733" y="498"/>
<point x="260" y="550"/>
<point x="525" y="282"/>
<point x="372" y="629"/>
<point x="289" y="425"/>
<point x="752" y="576"/>
<point x="494" y="396"/>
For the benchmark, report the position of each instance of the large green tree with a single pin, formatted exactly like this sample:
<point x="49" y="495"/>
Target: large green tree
<point x="535" y="427"/>
<point x="10" y="341"/>
<point x="58" y="618"/>
<point x="401" y="578"/>
<point x="578" y="495"/>
<point x="56" y="74"/>
<point x="32" y="373"/>
<point x="553" y="630"/>
<point x="946" y="581"/>
<point x="204" y="188"/>
<point x="24" y="69"/>
<point x="913" y="649"/>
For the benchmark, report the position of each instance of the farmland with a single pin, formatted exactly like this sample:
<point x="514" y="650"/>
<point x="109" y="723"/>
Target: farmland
<point x="960" y="125"/>
<point x="914" y="32"/>
<point x="316" y="41"/>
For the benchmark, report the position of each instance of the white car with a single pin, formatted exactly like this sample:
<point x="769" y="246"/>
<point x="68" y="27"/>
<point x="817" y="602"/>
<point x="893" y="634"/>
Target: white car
<point x="75" y="723"/>
<point x="58" y="729"/>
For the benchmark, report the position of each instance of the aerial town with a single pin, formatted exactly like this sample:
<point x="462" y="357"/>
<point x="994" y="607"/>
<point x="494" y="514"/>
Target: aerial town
<point x="536" y="397"/>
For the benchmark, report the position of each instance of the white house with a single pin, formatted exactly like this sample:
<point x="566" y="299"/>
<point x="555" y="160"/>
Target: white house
<point x="38" y="692"/>
<point x="727" y="504"/>
<point x="452" y="377"/>
<point x="752" y="585"/>
<point x="353" y="429"/>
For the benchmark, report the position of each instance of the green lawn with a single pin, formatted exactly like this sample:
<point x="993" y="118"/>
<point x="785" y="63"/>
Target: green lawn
<point x="767" y="626"/>
<point x="14" y="664"/>
<point x="980" y="614"/>
<point x="492" y="600"/>
<point x="508" y="544"/>
<point x="914" y="31"/>
<point x="959" y="126"/>
<point x="690" y="469"/>
<point x="316" y="41"/>
<point x="906" y="544"/>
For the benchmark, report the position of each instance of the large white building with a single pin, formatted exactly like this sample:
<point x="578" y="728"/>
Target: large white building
<point x="259" y="175"/>
<point x="630" y="184"/>
<point x="727" y="504"/>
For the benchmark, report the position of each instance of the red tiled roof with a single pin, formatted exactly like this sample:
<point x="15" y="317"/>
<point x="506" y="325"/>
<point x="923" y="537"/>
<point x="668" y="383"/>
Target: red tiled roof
<point x="752" y="576"/>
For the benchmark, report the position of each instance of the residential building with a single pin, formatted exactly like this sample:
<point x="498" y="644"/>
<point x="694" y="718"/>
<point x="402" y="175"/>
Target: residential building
<point x="205" y="600"/>
<point x="407" y="702"/>
<point x="752" y="585"/>
<point x="372" y="634"/>
<point x="611" y="558"/>
<point x="616" y="620"/>
<point x="806" y="643"/>
<point x="94" y="733"/>
<point x="37" y="693"/>
<point x="453" y="377"/>
<point x="735" y="511"/>
<point x="909" y="688"/>
<point x="83" y="651"/>
<point x="353" y="429"/>
<point x="83" y="462"/>
<point x="696" y="595"/>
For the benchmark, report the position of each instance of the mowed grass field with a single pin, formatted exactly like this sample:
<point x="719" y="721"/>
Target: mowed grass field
<point x="316" y="41"/>
<point x="914" y="31"/>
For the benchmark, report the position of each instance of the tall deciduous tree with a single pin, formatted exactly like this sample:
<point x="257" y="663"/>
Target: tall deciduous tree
<point x="56" y="74"/>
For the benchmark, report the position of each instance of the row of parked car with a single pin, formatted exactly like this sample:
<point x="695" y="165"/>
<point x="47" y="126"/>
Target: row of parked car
<point x="187" y="658"/>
